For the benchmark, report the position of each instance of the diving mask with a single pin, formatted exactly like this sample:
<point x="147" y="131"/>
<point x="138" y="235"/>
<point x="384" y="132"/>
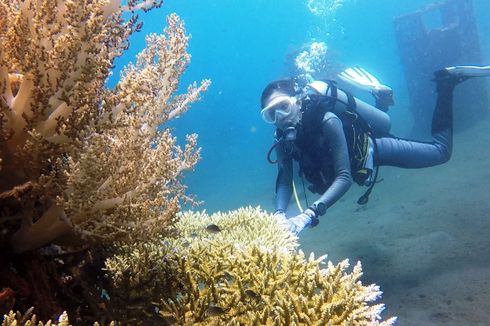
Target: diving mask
<point x="278" y="109"/>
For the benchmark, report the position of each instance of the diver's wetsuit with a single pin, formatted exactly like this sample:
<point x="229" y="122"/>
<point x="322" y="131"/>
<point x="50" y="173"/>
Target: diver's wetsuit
<point x="389" y="151"/>
<point x="410" y="154"/>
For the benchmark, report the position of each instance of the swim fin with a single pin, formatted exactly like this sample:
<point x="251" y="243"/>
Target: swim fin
<point x="362" y="79"/>
<point x="469" y="71"/>
<point x="457" y="74"/>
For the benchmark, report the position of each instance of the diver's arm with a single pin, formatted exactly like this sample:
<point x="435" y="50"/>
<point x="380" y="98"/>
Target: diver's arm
<point x="333" y="131"/>
<point x="284" y="181"/>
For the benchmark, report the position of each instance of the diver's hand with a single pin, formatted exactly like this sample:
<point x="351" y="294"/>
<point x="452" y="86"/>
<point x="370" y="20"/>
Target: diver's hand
<point x="299" y="222"/>
<point x="279" y="214"/>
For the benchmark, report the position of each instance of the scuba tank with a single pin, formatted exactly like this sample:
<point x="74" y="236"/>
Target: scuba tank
<point x="340" y="101"/>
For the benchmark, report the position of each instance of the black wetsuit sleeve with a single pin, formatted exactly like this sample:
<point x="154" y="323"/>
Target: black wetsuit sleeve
<point x="284" y="181"/>
<point x="333" y="131"/>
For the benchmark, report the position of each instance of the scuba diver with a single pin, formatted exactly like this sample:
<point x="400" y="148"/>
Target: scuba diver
<point x="337" y="138"/>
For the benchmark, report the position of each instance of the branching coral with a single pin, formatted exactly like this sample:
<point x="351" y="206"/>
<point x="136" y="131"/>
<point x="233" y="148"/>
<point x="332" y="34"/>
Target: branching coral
<point x="257" y="287"/>
<point x="94" y="158"/>
<point x="145" y="272"/>
<point x="228" y="269"/>
<point x="242" y="227"/>
<point x="29" y="319"/>
<point x="127" y="176"/>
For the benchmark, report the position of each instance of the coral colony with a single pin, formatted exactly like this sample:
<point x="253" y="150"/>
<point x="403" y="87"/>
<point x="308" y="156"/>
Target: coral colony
<point x="82" y="158"/>
<point x="88" y="175"/>
<point x="249" y="273"/>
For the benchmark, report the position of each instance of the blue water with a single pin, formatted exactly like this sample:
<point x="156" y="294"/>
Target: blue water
<point x="241" y="46"/>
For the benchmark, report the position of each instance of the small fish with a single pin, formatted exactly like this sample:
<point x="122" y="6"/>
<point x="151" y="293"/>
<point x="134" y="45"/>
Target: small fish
<point x="7" y="300"/>
<point x="214" y="311"/>
<point x="6" y="293"/>
<point x="251" y="294"/>
<point x="228" y="276"/>
<point x="213" y="228"/>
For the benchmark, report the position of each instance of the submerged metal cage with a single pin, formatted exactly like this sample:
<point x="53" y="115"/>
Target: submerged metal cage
<point x="442" y="34"/>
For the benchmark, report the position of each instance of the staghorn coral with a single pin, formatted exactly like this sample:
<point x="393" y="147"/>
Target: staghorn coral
<point x="229" y="269"/>
<point x="242" y="227"/>
<point x="29" y="319"/>
<point x="76" y="156"/>
<point x="236" y="287"/>
<point x="127" y="177"/>
<point x="144" y="272"/>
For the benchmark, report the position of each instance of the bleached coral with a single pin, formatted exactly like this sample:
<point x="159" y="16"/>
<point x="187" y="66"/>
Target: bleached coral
<point x="93" y="158"/>
<point x="228" y="269"/>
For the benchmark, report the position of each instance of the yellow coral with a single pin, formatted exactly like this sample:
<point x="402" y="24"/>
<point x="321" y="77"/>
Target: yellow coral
<point x="29" y="319"/>
<point x="242" y="227"/>
<point x="93" y="158"/>
<point x="226" y="286"/>
<point x="228" y="269"/>
<point x="143" y="272"/>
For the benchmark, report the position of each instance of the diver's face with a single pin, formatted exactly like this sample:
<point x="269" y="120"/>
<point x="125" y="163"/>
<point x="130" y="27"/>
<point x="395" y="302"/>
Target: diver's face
<point x="282" y="110"/>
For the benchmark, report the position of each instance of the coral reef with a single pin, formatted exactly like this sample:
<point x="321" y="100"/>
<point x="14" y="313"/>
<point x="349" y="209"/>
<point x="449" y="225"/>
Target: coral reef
<point x="30" y="319"/>
<point x="144" y="272"/>
<point x="77" y="157"/>
<point x="245" y="226"/>
<point x="82" y="164"/>
<point x="238" y="268"/>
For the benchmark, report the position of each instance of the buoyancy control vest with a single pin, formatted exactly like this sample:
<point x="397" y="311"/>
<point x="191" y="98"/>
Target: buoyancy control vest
<point x="311" y="149"/>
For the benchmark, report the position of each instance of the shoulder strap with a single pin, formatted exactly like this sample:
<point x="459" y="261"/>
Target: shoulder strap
<point x="351" y="101"/>
<point x="315" y="105"/>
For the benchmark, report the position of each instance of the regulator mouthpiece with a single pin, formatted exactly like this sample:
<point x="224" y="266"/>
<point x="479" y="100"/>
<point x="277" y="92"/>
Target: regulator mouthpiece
<point x="290" y="134"/>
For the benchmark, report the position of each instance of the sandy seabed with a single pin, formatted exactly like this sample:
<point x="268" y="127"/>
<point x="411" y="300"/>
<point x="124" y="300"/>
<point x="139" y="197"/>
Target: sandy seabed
<point x="424" y="236"/>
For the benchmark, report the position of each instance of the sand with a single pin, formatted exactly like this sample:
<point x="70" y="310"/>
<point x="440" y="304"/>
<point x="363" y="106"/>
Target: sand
<point x="424" y="236"/>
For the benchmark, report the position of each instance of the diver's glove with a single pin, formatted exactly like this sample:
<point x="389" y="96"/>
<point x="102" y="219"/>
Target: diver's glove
<point x="299" y="222"/>
<point x="279" y="214"/>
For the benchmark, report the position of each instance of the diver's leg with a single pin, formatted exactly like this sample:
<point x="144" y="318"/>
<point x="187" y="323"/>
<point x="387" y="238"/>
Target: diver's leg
<point x="412" y="154"/>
